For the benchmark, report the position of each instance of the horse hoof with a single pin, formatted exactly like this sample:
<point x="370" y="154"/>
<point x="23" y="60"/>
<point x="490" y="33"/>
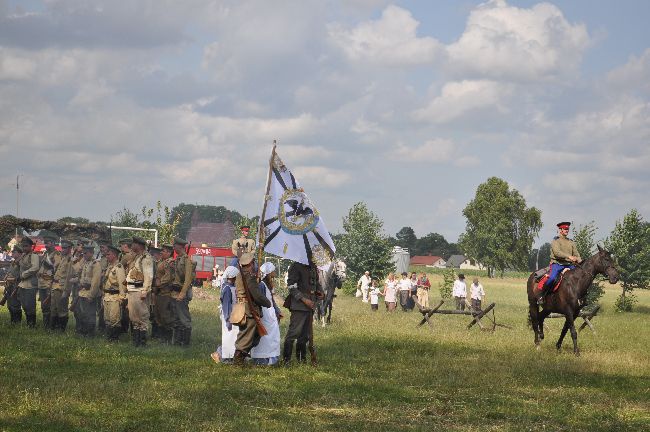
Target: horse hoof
<point x="541" y="336"/>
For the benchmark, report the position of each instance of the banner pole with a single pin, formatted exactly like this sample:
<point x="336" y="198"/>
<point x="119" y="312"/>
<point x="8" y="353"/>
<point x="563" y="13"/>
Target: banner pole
<point x="260" y="230"/>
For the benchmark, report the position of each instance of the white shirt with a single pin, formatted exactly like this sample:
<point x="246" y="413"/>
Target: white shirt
<point x="404" y="284"/>
<point x="364" y="281"/>
<point x="374" y="296"/>
<point x="460" y="289"/>
<point x="477" y="291"/>
<point x="391" y="291"/>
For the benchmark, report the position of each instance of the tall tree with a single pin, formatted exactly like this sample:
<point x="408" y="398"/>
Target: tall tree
<point x="406" y="238"/>
<point x="500" y="227"/>
<point x="435" y="244"/>
<point x="539" y="258"/>
<point x="163" y="221"/>
<point x="583" y="236"/>
<point x="363" y="246"/>
<point x="629" y="242"/>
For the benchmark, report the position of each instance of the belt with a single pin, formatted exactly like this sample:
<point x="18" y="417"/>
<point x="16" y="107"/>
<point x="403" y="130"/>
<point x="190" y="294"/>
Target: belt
<point x="112" y="291"/>
<point x="135" y="284"/>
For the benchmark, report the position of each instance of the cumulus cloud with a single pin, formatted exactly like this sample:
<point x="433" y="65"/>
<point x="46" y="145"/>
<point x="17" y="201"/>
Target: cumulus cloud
<point x="435" y="150"/>
<point x="390" y="40"/>
<point x="510" y="43"/>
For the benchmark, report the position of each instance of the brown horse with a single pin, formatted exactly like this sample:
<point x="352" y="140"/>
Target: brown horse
<point x="569" y="297"/>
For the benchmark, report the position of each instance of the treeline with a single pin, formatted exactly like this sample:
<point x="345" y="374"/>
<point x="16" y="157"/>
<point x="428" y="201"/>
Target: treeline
<point x="431" y="244"/>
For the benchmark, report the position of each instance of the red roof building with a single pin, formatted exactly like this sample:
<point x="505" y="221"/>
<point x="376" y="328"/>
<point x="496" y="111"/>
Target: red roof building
<point x="428" y="260"/>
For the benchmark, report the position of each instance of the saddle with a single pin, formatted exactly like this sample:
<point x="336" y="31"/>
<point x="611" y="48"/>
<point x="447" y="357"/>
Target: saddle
<point x="542" y="275"/>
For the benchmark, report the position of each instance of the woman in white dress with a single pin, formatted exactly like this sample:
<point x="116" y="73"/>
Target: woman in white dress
<point x="267" y="351"/>
<point x="226" y="351"/>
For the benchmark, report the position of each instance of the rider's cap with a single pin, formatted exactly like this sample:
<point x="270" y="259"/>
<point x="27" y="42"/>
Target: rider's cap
<point x="564" y="225"/>
<point x="246" y="259"/>
<point x="180" y="241"/>
<point x="245" y="228"/>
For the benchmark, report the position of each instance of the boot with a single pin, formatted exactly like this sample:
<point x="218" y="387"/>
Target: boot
<point x="239" y="358"/>
<point x="286" y="354"/>
<point x="301" y="352"/>
<point x="46" y="321"/>
<point x="135" y="338"/>
<point x="31" y="320"/>
<point x="156" y="332"/>
<point x="167" y="335"/>
<point x="54" y="323"/>
<point x="112" y="334"/>
<point x="63" y="323"/>
<point x="177" y="338"/>
<point x="16" y="316"/>
<point x="143" y="337"/>
<point x="187" y="336"/>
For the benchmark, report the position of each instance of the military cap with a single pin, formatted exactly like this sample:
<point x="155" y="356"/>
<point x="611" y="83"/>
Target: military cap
<point x="139" y="240"/>
<point x="66" y="243"/>
<point x="27" y="241"/>
<point x="125" y="241"/>
<point x="564" y="224"/>
<point x="168" y="246"/>
<point x="180" y="241"/>
<point x="89" y="248"/>
<point x="154" y="249"/>
<point x="245" y="227"/>
<point x="17" y="249"/>
<point x="246" y="258"/>
<point x="113" y="249"/>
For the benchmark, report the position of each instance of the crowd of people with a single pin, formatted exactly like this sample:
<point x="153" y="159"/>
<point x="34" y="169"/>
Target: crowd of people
<point x="413" y="290"/>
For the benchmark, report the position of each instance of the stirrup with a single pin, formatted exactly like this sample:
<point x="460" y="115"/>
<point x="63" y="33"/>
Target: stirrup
<point x="540" y="300"/>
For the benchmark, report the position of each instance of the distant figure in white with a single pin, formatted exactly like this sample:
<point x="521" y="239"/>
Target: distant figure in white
<point x="363" y="284"/>
<point x="460" y="292"/>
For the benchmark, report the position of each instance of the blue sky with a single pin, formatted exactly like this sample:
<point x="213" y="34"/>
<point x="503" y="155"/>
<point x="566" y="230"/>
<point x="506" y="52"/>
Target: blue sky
<point x="406" y="105"/>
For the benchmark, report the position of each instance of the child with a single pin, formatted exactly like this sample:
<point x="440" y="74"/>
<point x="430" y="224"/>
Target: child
<point x="374" y="296"/>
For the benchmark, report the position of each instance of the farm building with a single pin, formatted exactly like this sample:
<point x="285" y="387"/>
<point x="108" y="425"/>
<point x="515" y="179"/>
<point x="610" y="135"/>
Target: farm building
<point x="428" y="260"/>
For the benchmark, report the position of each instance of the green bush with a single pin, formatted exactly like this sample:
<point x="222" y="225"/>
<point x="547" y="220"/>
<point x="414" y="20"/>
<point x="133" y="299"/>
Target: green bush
<point x="449" y="276"/>
<point x="625" y="304"/>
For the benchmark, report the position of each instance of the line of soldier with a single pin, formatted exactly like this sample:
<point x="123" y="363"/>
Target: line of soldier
<point x="124" y="288"/>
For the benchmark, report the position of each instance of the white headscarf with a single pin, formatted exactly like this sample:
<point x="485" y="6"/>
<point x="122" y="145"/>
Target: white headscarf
<point x="267" y="268"/>
<point x="230" y="272"/>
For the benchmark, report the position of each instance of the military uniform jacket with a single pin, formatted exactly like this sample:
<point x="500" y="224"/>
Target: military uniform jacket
<point x="256" y="295"/>
<point x="29" y="265"/>
<point x="126" y="259"/>
<point x="90" y="279"/>
<point x="165" y="277"/>
<point x="13" y="273"/>
<point x="139" y="276"/>
<point x="114" y="278"/>
<point x="183" y="273"/>
<point x="242" y="245"/>
<point x="62" y="274"/>
<point x="303" y="283"/>
<point x="49" y="261"/>
<point x="561" y="249"/>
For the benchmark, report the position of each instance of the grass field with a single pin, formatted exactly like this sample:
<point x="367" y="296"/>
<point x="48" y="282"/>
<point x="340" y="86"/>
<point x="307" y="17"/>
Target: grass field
<point x="377" y="372"/>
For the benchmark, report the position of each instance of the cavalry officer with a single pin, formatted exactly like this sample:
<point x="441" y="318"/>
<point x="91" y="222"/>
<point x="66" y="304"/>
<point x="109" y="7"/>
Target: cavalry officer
<point x="182" y="285"/>
<point x="89" y="293"/>
<point x="243" y="244"/>
<point x="165" y="304"/>
<point x="114" y="293"/>
<point x="29" y="266"/>
<point x="61" y="288"/>
<point x="304" y="290"/>
<point x="49" y="260"/>
<point x="564" y="254"/>
<point x="138" y="285"/>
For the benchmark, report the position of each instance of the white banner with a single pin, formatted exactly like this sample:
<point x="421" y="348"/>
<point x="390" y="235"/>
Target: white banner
<point x="291" y="226"/>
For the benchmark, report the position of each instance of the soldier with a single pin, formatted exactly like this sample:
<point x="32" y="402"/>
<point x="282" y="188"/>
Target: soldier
<point x="243" y="244"/>
<point x="249" y="335"/>
<point x="77" y="264"/>
<point x="155" y="255"/>
<point x="182" y="285"/>
<point x="564" y="255"/>
<point x="114" y="288"/>
<point x="103" y="262"/>
<point x="126" y="259"/>
<point x="61" y="288"/>
<point x="49" y="260"/>
<point x="89" y="293"/>
<point x="304" y="290"/>
<point x="165" y="304"/>
<point x="11" y="287"/>
<point x="29" y="266"/>
<point x="138" y="285"/>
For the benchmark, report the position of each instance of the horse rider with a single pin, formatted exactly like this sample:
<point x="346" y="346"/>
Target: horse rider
<point x="564" y="255"/>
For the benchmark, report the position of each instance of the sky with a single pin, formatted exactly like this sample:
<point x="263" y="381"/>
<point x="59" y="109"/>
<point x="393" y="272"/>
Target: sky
<point x="407" y="106"/>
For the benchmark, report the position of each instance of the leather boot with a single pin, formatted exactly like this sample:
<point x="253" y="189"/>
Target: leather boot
<point x="16" y="316"/>
<point x="31" y="320"/>
<point x="287" y="351"/>
<point x="239" y="358"/>
<point x="63" y="323"/>
<point x="135" y="338"/>
<point x="187" y="336"/>
<point x="143" y="338"/>
<point x="177" y="338"/>
<point x="54" y="322"/>
<point x="168" y="335"/>
<point x="301" y="352"/>
<point x="47" y="325"/>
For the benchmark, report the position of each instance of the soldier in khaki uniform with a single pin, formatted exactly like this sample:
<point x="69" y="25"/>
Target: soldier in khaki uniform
<point x="248" y="335"/>
<point x="126" y="259"/>
<point x="182" y="285"/>
<point x="165" y="304"/>
<point x="564" y="255"/>
<point x="103" y="262"/>
<point x="61" y="288"/>
<point x="114" y="288"/>
<point x="77" y="264"/>
<point x="89" y="293"/>
<point x="138" y="285"/>
<point x="243" y="244"/>
<point x="11" y="287"/>
<point x="155" y="256"/>
<point x="29" y="265"/>
<point x="49" y="260"/>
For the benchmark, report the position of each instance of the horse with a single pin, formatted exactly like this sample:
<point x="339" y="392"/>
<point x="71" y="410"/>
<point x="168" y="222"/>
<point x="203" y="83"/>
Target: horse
<point x="569" y="297"/>
<point x="330" y="280"/>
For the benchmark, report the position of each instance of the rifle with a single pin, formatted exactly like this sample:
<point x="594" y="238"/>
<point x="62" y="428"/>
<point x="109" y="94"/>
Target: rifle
<point x="258" y="321"/>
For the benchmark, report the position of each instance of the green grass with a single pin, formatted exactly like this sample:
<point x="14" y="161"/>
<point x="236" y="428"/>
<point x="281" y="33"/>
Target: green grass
<point x="377" y="372"/>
